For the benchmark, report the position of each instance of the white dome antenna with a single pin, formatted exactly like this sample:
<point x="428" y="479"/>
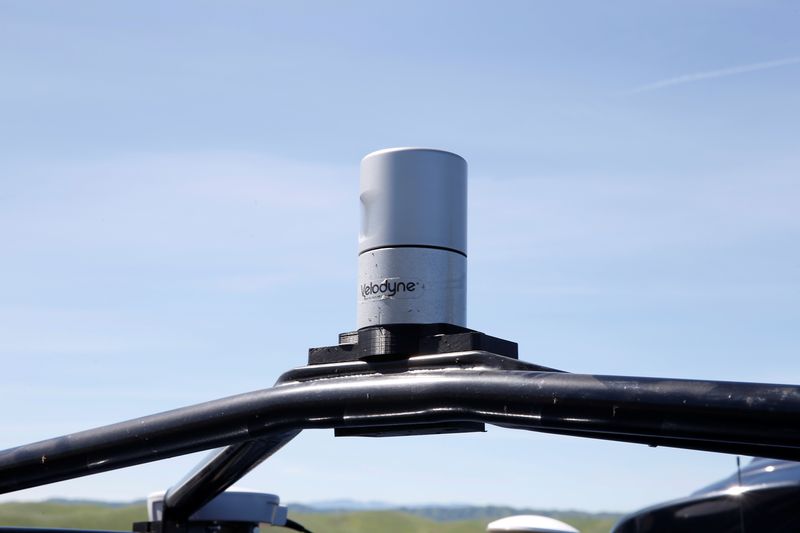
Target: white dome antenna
<point x="528" y="523"/>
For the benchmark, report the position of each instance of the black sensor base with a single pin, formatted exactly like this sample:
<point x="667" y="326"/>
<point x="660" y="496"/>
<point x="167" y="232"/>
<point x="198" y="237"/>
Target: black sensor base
<point x="406" y="340"/>
<point x="393" y="347"/>
<point x="405" y="430"/>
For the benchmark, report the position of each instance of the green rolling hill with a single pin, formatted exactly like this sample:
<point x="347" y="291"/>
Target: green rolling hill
<point x="119" y="517"/>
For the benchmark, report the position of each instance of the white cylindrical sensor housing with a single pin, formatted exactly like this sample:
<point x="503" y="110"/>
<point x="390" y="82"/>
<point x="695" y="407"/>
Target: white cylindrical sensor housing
<point x="412" y="263"/>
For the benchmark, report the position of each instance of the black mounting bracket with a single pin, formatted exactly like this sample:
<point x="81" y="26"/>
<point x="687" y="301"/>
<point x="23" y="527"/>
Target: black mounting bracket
<point x="406" y="340"/>
<point x="395" y="345"/>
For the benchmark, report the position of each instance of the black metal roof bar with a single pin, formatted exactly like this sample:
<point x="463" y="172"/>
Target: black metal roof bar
<point x="221" y="469"/>
<point x="756" y="419"/>
<point x="218" y="471"/>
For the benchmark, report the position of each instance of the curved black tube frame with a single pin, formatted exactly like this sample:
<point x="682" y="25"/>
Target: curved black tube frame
<point x="743" y="418"/>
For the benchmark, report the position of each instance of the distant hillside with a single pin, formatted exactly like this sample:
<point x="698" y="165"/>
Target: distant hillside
<point x="427" y="519"/>
<point x="344" y="505"/>
<point x="450" y="513"/>
<point x="73" y="515"/>
<point x="493" y="512"/>
<point x="99" y="503"/>
<point x="401" y="522"/>
<point x="382" y="522"/>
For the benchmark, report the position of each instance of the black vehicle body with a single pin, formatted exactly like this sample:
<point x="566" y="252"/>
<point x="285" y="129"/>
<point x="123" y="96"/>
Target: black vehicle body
<point x="764" y="496"/>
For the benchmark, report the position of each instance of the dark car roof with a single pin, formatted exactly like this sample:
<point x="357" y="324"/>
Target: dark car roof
<point x="766" y="500"/>
<point x="759" y="471"/>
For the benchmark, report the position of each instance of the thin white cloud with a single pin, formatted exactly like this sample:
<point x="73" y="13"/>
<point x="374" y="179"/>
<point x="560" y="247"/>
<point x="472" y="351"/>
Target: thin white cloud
<point x="599" y="218"/>
<point x="712" y="74"/>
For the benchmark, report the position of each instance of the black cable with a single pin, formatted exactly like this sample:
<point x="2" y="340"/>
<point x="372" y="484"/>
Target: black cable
<point x="291" y="524"/>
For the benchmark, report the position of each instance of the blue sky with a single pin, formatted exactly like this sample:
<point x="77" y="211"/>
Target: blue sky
<point x="178" y="217"/>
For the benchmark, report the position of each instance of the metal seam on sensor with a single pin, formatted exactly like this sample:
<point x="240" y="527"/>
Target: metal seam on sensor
<point x="426" y="246"/>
